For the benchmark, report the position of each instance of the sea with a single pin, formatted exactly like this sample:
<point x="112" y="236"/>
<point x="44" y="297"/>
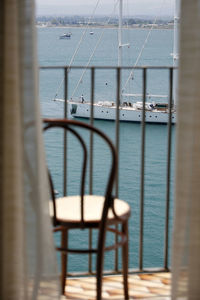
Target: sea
<point x="101" y="49"/>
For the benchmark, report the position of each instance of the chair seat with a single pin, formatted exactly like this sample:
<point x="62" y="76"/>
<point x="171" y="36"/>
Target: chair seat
<point x="68" y="209"/>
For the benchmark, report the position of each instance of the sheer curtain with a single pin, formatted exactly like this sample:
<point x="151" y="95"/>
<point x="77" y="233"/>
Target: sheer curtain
<point x="186" y="245"/>
<point x="28" y="267"/>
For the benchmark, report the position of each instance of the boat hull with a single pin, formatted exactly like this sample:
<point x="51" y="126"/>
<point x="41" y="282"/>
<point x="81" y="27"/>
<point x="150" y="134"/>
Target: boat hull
<point x="126" y="114"/>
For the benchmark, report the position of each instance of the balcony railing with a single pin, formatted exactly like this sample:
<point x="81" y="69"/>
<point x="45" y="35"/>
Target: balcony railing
<point x="137" y="264"/>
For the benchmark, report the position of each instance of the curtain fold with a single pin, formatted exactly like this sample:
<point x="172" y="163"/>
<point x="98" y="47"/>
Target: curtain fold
<point x="27" y="256"/>
<point x="186" y="239"/>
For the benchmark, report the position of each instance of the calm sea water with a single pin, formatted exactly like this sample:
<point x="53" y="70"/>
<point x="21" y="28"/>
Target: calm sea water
<point x="53" y="51"/>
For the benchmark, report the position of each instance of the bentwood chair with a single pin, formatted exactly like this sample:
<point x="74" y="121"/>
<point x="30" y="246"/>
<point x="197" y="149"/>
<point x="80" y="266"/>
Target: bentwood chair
<point x="84" y="212"/>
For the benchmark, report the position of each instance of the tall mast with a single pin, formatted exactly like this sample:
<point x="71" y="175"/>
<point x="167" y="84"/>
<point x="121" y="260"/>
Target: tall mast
<point x="176" y="50"/>
<point x="120" y="34"/>
<point x="176" y="22"/>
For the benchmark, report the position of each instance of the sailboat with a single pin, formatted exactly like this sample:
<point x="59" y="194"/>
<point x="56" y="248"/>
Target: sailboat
<point x="128" y="111"/>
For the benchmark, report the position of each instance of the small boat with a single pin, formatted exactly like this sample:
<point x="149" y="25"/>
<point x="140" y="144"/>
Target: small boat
<point x="66" y="35"/>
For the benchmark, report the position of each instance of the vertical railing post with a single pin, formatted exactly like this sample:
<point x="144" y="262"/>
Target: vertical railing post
<point x="65" y="92"/>
<point x="65" y="133"/>
<point x="142" y="174"/>
<point x="117" y="126"/>
<point x="91" y="158"/>
<point x="91" y="123"/>
<point x="168" y="169"/>
<point x="65" y="255"/>
<point x="118" y="79"/>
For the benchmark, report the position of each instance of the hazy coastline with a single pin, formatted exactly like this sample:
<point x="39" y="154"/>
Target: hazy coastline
<point x="112" y="26"/>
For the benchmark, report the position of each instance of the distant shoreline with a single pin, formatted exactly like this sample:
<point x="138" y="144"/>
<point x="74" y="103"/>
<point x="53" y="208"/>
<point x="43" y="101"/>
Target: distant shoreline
<point x="148" y="26"/>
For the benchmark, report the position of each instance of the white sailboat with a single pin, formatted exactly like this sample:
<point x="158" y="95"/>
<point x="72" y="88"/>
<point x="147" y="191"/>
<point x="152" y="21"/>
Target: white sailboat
<point x="128" y="111"/>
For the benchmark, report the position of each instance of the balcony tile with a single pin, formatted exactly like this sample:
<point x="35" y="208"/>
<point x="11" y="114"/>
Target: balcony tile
<point x="141" y="286"/>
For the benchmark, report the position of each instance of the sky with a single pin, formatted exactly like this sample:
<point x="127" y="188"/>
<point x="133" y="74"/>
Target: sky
<point x="105" y="7"/>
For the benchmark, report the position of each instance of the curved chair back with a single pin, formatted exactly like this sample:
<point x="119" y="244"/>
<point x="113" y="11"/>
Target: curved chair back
<point x="72" y="126"/>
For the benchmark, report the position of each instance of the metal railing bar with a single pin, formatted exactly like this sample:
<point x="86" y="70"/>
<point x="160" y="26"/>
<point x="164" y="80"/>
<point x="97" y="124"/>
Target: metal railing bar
<point x="166" y="229"/>
<point x="166" y="245"/>
<point x="91" y="159"/>
<point x="118" y="80"/>
<point x="91" y="134"/>
<point x="65" y="92"/>
<point x="108" y="67"/>
<point x="65" y="133"/>
<point x="142" y="174"/>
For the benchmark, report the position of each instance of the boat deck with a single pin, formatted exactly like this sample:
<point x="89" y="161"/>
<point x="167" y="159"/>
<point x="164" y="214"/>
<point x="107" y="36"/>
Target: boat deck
<point x="141" y="286"/>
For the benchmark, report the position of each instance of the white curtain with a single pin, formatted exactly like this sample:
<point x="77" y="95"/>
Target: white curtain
<point x="186" y="241"/>
<point x="28" y="267"/>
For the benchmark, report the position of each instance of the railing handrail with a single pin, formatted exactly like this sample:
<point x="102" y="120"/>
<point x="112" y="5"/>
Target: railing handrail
<point x="164" y="67"/>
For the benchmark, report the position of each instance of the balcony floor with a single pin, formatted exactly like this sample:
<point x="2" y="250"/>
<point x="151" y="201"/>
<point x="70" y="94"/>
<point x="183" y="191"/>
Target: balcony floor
<point x="141" y="286"/>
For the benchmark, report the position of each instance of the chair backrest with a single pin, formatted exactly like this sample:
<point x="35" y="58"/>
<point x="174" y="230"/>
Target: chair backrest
<point x="72" y="126"/>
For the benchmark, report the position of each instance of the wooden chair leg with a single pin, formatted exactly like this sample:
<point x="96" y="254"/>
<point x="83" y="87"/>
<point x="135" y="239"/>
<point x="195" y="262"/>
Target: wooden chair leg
<point x="64" y="243"/>
<point x="100" y="260"/>
<point x="99" y="279"/>
<point x="125" y="260"/>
